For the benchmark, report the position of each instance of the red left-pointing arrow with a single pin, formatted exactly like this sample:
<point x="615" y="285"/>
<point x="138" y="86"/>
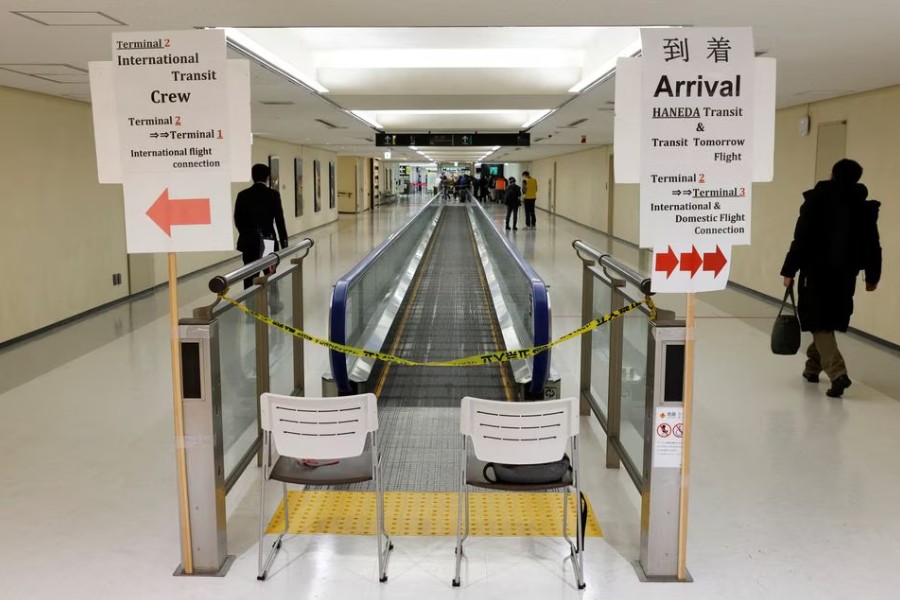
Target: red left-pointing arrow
<point x="166" y="212"/>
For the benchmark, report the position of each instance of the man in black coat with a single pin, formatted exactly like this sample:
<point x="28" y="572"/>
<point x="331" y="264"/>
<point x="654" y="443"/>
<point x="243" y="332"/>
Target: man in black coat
<point x="257" y="212"/>
<point x="835" y="238"/>
<point x="513" y="200"/>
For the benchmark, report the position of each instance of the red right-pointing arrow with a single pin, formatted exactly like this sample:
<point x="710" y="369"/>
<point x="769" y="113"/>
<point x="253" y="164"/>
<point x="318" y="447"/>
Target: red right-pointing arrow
<point x="691" y="261"/>
<point x="714" y="261"/>
<point x="667" y="262"/>
<point x="178" y="211"/>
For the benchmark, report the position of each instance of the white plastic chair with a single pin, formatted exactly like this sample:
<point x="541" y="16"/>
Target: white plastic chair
<point x="320" y="429"/>
<point x="519" y="433"/>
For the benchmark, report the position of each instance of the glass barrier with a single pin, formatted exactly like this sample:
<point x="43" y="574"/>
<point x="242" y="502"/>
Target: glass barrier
<point x="281" y="344"/>
<point x="634" y="384"/>
<point x="237" y="365"/>
<point x="622" y="357"/>
<point x="600" y="341"/>
<point x="366" y="290"/>
<point x="524" y="293"/>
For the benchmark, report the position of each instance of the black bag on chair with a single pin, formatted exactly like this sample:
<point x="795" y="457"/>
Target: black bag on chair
<point x="786" y="331"/>
<point x="527" y="474"/>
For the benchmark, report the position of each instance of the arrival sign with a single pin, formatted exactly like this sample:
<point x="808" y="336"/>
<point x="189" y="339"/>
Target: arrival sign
<point x="697" y="129"/>
<point x="697" y="155"/>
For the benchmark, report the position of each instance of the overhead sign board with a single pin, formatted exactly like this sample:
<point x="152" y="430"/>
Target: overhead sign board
<point x="179" y="121"/>
<point x="452" y="139"/>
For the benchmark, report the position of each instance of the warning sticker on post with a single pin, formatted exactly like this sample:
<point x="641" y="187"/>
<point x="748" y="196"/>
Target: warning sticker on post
<point x="668" y="434"/>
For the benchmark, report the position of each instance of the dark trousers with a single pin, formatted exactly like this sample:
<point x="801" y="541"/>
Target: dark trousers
<point x="514" y="211"/>
<point x="249" y="257"/>
<point x="530" y="219"/>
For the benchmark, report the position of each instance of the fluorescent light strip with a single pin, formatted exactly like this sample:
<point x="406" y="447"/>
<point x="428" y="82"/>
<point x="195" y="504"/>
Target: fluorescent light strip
<point x="251" y="47"/>
<point x="540" y="115"/>
<point x="367" y="116"/>
<point x="449" y="58"/>
<point x="607" y="68"/>
<point x="492" y="111"/>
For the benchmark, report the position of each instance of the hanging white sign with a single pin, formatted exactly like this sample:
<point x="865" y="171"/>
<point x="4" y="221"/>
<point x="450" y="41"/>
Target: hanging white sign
<point x="696" y="136"/>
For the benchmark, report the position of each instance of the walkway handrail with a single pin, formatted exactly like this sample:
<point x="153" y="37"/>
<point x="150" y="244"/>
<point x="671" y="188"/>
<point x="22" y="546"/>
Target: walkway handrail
<point x="220" y="283"/>
<point x="337" y="325"/>
<point x="375" y="254"/>
<point x="540" y="366"/>
<point x="608" y="261"/>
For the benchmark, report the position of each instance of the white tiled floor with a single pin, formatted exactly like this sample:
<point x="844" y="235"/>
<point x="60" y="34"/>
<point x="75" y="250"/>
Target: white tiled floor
<point x="793" y="494"/>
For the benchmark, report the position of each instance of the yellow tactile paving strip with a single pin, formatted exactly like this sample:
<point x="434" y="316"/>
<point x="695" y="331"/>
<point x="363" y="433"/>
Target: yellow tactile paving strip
<point x="429" y="514"/>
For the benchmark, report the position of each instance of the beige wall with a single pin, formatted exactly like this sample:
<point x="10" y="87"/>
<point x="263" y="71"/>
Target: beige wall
<point x="73" y="228"/>
<point x="873" y="139"/>
<point x="582" y="185"/>
<point x="63" y="234"/>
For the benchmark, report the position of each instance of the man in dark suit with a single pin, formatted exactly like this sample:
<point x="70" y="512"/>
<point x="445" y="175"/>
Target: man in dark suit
<point x="257" y="212"/>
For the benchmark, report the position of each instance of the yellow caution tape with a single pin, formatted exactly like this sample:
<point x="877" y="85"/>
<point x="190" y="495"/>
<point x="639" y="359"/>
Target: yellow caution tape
<point x="468" y="361"/>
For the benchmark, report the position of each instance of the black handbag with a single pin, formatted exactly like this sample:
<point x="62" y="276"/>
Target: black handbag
<point x="527" y="474"/>
<point x="786" y="331"/>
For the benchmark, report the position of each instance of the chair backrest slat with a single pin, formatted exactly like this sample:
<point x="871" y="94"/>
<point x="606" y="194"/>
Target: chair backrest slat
<point x="519" y="432"/>
<point x="319" y="427"/>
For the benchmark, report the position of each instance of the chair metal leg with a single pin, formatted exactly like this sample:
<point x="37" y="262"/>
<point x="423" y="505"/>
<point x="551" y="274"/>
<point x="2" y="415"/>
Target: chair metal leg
<point x="383" y="539"/>
<point x="262" y="525"/>
<point x="463" y="498"/>
<point x="381" y="536"/>
<point x="264" y="564"/>
<point x="468" y="529"/>
<point x="287" y="513"/>
<point x="578" y="556"/>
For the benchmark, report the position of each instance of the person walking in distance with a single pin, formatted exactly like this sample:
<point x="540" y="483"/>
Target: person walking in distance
<point x="529" y="197"/>
<point x="257" y="213"/>
<point x="835" y="238"/>
<point x="512" y="200"/>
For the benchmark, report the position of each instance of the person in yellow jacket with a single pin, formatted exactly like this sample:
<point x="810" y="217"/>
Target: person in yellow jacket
<point x="529" y="197"/>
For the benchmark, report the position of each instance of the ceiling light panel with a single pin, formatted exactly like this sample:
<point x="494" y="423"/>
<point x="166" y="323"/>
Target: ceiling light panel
<point x="265" y="46"/>
<point x="450" y="58"/>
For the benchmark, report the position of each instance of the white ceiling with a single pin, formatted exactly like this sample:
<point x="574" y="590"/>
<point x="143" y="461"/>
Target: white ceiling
<point x="824" y="48"/>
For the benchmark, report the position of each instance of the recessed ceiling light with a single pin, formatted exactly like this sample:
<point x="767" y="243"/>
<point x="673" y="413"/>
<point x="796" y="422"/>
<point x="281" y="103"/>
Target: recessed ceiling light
<point x="69" y="18"/>
<point x="53" y="72"/>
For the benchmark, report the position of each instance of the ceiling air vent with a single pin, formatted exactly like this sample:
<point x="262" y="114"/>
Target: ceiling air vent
<point x="277" y="102"/>
<point x="575" y="123"/>
<point x="328" y="125"/>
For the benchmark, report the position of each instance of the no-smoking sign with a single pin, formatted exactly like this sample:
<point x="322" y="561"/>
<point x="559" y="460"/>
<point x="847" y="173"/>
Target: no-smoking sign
<point x="667" y="444"/>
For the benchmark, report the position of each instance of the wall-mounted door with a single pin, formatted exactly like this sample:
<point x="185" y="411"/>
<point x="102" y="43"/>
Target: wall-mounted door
<point x="360" y="186"/>
<point x="831" y="146"/>
<point x="552" y="188"/>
